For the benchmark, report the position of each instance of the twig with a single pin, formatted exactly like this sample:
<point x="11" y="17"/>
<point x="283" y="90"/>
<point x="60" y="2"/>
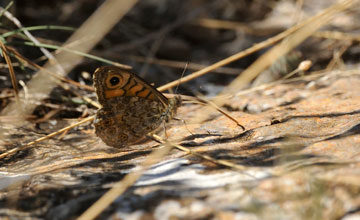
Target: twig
<point x="26" y="146"/>
<point x="12" y="74"/>
<point x="205" y="157"/>
<point x="120" y="187"/>
<point x="94" y="28"/>
<point x="32" y="38"/>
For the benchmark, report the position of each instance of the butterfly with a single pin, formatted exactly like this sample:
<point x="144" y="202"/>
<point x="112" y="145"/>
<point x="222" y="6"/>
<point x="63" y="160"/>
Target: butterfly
<point x="131" y="108"/>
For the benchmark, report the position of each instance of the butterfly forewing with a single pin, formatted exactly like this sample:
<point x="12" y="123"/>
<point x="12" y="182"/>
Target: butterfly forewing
<point x="121" y="82"/>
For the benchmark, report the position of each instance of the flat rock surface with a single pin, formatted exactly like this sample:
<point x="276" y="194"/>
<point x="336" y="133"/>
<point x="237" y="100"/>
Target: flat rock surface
<point x="300" y="153"/>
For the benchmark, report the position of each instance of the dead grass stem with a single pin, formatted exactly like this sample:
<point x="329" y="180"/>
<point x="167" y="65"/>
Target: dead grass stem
<point x="93" y="30"/>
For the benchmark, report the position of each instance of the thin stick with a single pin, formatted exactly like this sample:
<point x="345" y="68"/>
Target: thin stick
<point x="36" y="66"/>
<point x="205" y="157"/>
<point x="239" y="55"/>
<point x="178" y="64"/>
<point x="89" y="34"/>
<point x="337" y="35"/>
<point x="222" y="111"/>
<point x="6" y="8"/>
<point x="292" y="41"/>
<point x="12" y="74"/>
<point x="63" y="78"/>
<point x="231" y="25"/>
<point x="14" y="150"/>
<point x="312" y="24"/>
<point x="40" y="27"/>
<point x="120" y="187"/>
<point x="31" y="38"/>
<point x="77" y="52"/>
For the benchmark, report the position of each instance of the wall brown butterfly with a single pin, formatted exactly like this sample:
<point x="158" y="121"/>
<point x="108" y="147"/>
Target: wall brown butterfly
<point x="131" y="108"/>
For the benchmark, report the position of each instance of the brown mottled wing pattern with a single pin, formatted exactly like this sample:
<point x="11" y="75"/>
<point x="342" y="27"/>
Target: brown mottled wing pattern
<point x="131" y="107"/>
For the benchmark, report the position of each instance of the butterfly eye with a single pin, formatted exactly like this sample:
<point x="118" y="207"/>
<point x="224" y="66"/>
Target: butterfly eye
<point x="114" y="80"/>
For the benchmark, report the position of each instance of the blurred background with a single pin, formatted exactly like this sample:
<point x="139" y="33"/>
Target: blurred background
<point x="159" y="37"/>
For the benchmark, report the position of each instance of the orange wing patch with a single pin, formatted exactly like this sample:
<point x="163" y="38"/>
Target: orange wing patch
<point x="114" y="93"/>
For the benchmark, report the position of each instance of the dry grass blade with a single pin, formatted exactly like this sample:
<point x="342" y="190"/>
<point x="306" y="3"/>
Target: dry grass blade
<point x="132" y="177"/>
<point x="225" y="113"/>
<point x="222" y="111"/>
<point x="62" y="78"/>
<point x="214" y="23"/>
<point x="36" y="66"/>
<point x="73" y="161"/>
<point x="26" y="146"/>
<point x="257" y="47"/>
<point x="288" y="44"/>
<point x="336" y="61"/>
<point x="12" y="73"/>
<point x="203" y="101"/>
<point x="308" y="27"/>
<point x="241" y="54"/>
<point x="30" y="36"/>
<point x="87" y="36"/>
<point x="205" y="157"/>
<point x="337" y="35"/>
<point x="120" y="187"/>
<point x="180" y="64"/>
<point x="309" y="77"/>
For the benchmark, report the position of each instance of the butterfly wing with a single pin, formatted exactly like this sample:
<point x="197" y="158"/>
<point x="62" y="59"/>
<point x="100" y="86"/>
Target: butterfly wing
<point x="131" y="107"/>
<point x="111" y="81"/>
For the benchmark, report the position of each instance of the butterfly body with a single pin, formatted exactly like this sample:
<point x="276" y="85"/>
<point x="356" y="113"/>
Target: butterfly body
<point x="131" y="107"/>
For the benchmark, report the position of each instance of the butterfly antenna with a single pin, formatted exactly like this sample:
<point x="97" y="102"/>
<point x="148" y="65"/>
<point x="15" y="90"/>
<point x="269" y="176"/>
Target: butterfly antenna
<point x="177" y="86"/>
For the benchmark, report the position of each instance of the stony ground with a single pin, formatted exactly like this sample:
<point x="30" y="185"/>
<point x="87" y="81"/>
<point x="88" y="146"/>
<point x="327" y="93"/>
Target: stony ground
<point x="299" y="152"/>
<point x="298" y="157"/>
